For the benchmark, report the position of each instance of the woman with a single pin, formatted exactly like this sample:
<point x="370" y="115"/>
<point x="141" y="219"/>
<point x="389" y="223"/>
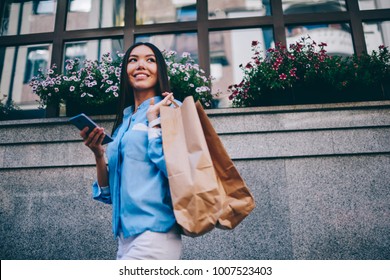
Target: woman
<point x="135" y="182"/>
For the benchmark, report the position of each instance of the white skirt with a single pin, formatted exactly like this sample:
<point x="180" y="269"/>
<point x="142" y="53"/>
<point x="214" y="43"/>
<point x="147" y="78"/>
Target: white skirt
<point x="151" y="246"/>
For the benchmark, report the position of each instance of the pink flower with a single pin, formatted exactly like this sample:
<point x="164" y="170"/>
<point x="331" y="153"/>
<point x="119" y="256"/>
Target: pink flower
<point x="282" y="76"/>
<point x="292" y="72"/>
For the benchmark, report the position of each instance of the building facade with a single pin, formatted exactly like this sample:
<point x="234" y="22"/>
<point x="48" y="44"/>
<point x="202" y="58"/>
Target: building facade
<point x="217" y="33"/>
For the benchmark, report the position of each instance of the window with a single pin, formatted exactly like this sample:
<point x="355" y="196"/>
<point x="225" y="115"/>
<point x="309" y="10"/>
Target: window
<point x="87" y="14"/>
<point x="37" y="58"/>
<point x="313" y="6"/>
<point x="44" y="7"/>
<point x="231" y="9"/>
<point x="27" y="17"/>
<point x="376" y="34"/>
<point x="181" y="42"/>
<point x="91" y="49"/>
<point x="374" y="4"/>
<point x="170" y="11"/>
<point x="19" y="65"/>
<point x="337" y="36"/>
<point x="229" y="49"/>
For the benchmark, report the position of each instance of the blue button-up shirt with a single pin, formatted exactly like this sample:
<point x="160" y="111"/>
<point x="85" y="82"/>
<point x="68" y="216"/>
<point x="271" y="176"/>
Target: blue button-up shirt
<point x="138" y="186"/>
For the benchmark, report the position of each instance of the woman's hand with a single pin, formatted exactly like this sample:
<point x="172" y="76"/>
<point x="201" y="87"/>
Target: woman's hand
<point x="154" y="109"/>
<point x="94" y="140"/>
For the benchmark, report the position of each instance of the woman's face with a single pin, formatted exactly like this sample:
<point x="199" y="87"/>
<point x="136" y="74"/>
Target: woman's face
<point x="142" y="69"/>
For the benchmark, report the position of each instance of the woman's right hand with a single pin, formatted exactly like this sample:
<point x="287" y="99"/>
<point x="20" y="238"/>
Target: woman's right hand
<point x="94" y="140"/>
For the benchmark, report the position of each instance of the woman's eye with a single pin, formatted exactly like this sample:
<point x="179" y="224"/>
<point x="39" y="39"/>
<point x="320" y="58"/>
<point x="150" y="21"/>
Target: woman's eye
<point x="132" y="60"/>
<point x="151" y="60"/>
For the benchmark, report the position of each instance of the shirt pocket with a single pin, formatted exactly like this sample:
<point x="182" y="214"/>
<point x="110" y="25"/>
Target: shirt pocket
<point x="135" y="143"/>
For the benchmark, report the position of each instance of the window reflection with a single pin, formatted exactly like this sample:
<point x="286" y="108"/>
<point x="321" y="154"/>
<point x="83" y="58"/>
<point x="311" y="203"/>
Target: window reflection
<point x="337" y="36"/>
<point x="165" y="11"/>
<point x="86" y="14"/>
<point x="19" y="65"/>
<point x="233" y="9"/>
<point x="37" y="58"/>
<point x="182" y="42"/>
<point x="229" y="49"/>
<point x="312" y="6"/>
<point x="83" y="6"/>
<point x="26" y="17"/>
<point x="374" y="4"/>
<point x="376" y="34"/>
<point x="92" y="49"/>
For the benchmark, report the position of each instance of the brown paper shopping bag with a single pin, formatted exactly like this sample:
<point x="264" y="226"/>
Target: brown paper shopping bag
<point x="207" y="191"/>
<point x="238" y="201"/>
<point x="196" y="196"/>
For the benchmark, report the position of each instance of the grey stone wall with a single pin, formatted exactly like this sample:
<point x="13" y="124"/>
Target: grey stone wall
<point x="320" y="175"/>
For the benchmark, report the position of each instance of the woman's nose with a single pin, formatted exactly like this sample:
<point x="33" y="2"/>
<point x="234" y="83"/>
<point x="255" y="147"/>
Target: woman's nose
<point x="141" y="64"/>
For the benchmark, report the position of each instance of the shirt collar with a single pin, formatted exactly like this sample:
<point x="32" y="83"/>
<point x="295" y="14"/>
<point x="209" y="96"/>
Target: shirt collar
<point x="129" y="110"/>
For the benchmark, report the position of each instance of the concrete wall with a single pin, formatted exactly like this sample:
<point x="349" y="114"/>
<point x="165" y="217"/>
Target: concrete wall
<point x="320" y="175"/>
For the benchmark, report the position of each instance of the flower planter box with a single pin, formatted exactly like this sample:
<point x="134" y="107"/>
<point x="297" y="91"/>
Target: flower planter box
<point x="75" y="108"/>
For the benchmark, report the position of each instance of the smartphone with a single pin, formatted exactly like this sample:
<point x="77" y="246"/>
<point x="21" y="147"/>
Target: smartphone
<point x="82" y="120"/>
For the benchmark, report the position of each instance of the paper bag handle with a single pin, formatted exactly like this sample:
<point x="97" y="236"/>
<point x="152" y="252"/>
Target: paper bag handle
<point x="175" y="103"/>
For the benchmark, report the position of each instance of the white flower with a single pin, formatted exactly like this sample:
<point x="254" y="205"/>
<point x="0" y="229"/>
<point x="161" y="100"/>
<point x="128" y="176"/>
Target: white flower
<point x="83" y="94"/>
<point x="186" y="78"/>
<point x="192" y="85"/>
<point x="185" y="54"/>
<point x="72" y="88"/>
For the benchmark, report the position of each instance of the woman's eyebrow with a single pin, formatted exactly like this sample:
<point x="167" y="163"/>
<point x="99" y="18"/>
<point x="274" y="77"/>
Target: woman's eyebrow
<point x="136" y="55"/>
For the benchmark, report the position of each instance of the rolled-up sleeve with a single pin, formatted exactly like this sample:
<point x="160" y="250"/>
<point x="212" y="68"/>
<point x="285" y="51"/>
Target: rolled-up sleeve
<point x="102" y="194"/>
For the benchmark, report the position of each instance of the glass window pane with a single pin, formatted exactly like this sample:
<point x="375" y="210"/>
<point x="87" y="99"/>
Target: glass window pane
<point x="86" y="14"/>
<point x="152" y="11"/>
<point x="27" y="17"/>
<point x="337" y="36"/>
<point x="229" y="49"/>
<point x="312" y="6"/>
<point x="374" y="4"/>
<point x="182" y="42"/>
<point x="92" y="49"/>
<point x="376" y="34"/>
<point x="234" y="9"/>
<point x="19" y="65"/>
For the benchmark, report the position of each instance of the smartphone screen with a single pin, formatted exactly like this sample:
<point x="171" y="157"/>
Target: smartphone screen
<point x="82" y="120"/>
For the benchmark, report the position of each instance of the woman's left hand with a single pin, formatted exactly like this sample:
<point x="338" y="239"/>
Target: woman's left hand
<point x="154" y="109"/>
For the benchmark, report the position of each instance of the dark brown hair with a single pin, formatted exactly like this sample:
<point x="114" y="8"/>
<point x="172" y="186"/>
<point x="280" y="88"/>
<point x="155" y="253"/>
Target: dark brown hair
<point x="126" y="94"/>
